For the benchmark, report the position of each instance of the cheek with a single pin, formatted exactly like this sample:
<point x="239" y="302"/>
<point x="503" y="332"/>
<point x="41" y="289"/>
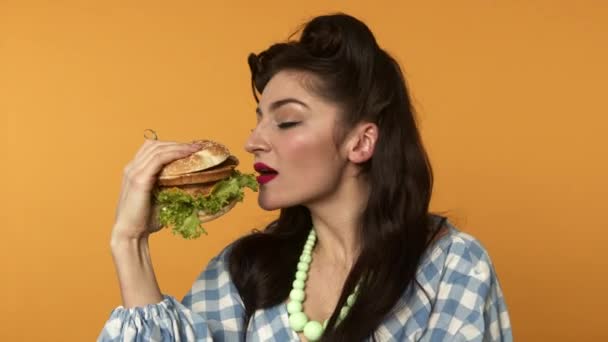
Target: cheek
<point x="305" y="150"/>
<point x="301" y="160"/>
<point x="310" y="162"/>
<point x="309" y="167"/>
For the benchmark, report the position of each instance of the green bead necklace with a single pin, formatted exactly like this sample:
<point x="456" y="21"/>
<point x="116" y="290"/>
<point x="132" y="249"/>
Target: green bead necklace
<point x="298" y="320"/>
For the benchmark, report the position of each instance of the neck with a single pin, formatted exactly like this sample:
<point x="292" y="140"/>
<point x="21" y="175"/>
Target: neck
<point x="337" y="220"/>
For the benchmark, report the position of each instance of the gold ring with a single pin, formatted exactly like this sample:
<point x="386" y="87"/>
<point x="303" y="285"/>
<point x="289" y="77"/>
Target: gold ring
<point x="150" y="134"/>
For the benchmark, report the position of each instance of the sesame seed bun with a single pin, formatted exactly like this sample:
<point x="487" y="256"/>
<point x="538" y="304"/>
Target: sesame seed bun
<point x="211" y="154"/>
<point x="197" y="174"/>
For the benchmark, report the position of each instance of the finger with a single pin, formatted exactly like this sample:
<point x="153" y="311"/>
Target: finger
<point x="151" y="144"/>
<point x="145" y="157"/>
<point x="147" y="147"/>
<point x="141" y="177"/>
<point x="143" y="174"/>
<point x="154" y="146"/>
<point x="154" y="221"/>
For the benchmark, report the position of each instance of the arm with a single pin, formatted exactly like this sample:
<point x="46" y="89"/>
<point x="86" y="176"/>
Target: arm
<point x="136" y="278"/>
<point x="211" y="311"/>
<point x="135" y="221"/>
<point x="146" y="314"/>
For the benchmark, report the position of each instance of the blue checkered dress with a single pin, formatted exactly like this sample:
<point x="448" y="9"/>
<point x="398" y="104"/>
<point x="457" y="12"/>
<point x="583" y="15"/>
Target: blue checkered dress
<point x="466" y="304"/>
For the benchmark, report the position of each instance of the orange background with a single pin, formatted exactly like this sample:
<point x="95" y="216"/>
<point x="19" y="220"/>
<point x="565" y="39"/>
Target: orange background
<point x="512" y="103"/>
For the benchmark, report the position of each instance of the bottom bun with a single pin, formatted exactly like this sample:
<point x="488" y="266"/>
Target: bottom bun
<point x="206" y="218"/>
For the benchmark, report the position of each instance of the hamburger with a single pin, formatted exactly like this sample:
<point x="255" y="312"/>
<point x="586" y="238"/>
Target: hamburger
<point x="198" y="189"/>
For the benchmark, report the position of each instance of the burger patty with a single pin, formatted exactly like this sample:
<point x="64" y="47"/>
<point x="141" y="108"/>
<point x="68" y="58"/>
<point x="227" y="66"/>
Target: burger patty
<point x="201" y="189"/>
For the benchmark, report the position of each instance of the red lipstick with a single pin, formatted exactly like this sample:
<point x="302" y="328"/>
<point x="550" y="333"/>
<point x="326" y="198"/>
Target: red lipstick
<point x="266" y="173"/>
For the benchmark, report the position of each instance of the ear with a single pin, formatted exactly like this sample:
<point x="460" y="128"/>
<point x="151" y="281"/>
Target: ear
<point x="362" y="142"/>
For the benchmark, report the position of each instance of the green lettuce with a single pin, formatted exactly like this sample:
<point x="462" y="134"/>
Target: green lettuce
<point x="179" y="209"/>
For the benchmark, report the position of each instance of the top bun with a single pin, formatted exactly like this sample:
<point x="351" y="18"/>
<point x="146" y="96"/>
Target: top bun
<point x="211" y="154"/>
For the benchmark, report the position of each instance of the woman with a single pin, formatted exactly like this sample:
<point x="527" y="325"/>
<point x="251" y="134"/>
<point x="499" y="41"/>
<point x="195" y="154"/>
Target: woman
<point x="355" y="254"/>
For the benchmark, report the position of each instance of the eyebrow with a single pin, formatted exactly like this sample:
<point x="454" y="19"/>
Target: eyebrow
<point x="279" y="103"/>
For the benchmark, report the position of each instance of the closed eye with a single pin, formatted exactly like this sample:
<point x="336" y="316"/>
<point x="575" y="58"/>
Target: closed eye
<point x="285" y="125"/>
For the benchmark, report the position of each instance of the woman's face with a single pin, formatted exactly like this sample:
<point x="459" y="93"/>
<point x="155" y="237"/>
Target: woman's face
<point x="294" y="137"/>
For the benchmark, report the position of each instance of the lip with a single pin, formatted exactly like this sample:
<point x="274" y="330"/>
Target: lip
<point x="260" y="167"/>
<point x="264" y="177"/>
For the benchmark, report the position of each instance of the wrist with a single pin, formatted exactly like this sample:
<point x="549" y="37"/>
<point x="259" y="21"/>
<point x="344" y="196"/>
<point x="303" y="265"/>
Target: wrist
<point x="120" y="240"/>
<point x="138" y="284"/>
<point x="128" y="245"/>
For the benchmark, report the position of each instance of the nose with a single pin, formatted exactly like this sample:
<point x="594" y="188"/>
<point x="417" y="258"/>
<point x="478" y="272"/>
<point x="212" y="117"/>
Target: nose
<point x="256" y="142"/>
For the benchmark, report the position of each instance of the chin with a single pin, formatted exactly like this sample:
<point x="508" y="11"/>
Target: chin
<point x="268" y="203"/>
<point x="267" y="206"/>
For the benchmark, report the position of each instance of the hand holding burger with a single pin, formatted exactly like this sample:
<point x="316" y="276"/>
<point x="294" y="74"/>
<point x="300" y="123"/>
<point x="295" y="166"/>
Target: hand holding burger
<point x="199" y="188"/>
<point x="177" y="185"/>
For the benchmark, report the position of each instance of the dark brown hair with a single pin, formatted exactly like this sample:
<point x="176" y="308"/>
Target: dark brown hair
<point x="351" y="70"/>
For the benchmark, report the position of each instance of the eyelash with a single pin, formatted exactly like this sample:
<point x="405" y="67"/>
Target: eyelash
<point x="285" y="125"/>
